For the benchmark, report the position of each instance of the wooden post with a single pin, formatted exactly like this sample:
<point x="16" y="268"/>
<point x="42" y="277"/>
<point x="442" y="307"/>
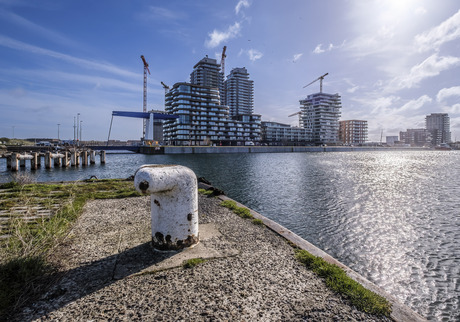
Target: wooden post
<point x="47" y="160"/>
<point x="22" y="163"/>
<point x="84" y="158"/>
<point x="102" y="157"/>
<point x="73" y="158"/>
<point x="65" y="160"/>
<point x="33" y="161"/>
<point x="92" y="157"/>
<point x="14" y="162"/>
<point x="77" y="158"/>
<point x="39" y="160"/>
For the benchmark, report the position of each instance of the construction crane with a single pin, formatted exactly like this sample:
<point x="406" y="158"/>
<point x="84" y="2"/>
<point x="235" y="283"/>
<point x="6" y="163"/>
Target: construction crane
<point x="166" y="87"/>
<point x="222" y="60"/>
<point x="146" y="69"/>
<point x="300" y="117"/>
<point x="320" y="82"/>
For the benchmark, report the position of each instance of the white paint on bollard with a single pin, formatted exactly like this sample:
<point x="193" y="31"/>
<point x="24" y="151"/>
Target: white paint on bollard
<point x="174" y="204"/>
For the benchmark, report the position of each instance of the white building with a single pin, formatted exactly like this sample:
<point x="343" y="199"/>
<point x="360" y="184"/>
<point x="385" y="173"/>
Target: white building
<point x="320" y="115"/>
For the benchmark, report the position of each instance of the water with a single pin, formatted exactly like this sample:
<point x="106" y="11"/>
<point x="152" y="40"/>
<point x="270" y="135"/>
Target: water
<point x="392" y="216"/>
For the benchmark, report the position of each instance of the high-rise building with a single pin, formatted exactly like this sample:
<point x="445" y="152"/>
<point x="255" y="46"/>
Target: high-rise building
<point x="353" y="132"/>
<point x="320" y="115"/>
<point x="438" y="124"/>
<point x="207" y="73"/>
<point x="203" y="120"/>
<point x="239" y="92"/>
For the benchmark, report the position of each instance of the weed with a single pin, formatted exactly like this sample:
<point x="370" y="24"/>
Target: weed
<point x="243" y="212"/>
<point x="23" y="255"/>
<point x="206" y="192"/>
<point x="257" y="222"/>
<point x="190" y="263"/>
<point x="340" y="282"/>
<point x="230" y="204"/>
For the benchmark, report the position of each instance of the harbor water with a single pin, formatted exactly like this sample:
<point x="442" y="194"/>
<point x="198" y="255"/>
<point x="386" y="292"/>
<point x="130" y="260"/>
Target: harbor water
<point x="392" y="216"/>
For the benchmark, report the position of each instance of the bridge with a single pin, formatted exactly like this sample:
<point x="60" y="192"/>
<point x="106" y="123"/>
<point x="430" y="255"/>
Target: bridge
<point x="131" y="148"/>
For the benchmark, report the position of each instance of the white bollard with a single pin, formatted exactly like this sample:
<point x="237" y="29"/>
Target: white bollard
<point x="174" y="204"/>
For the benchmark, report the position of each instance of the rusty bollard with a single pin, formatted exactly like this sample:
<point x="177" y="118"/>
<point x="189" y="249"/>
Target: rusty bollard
<point x="173" y="192"/>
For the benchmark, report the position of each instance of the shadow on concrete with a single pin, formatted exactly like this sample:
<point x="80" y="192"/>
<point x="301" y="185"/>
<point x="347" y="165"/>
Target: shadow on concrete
<point x="81" y="281"/>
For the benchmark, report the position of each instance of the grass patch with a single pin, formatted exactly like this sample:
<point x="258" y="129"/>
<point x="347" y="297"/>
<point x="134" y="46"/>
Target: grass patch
<point x="257" y="222"/>
<point x="240" y="211"/>
<point x="336" y="279"/>
<point x="206" y="192"/>
<point x="23" y="255"/>
<point x="190" y="263"/>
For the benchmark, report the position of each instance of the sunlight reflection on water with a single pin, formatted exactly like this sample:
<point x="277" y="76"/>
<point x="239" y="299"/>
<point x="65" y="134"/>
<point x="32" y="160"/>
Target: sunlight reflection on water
<point x="392" y="216"/>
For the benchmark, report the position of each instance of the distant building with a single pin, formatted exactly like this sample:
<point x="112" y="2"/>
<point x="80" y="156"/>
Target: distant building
<point x="391" y="140"/>
<point x="239" y="92"/>
<point x="438" y="124"/>
<point x="415" y="137"/>
<point x="207" y="73"/>
<point x="353" y="132"/>
<point x="274" y="133"/>
<point x="320" y="116"/>
<point x="203" y="120"/>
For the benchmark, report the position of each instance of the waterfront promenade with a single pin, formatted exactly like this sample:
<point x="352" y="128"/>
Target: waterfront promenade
<point x="108" y="271"/>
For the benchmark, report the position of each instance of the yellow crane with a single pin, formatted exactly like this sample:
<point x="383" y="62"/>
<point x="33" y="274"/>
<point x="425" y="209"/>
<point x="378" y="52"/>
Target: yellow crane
<point x="320" y="82"/>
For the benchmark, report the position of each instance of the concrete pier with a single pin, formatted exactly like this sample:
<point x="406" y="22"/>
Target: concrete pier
<point x="248" y="273"/>
<point x="16" y="161"/>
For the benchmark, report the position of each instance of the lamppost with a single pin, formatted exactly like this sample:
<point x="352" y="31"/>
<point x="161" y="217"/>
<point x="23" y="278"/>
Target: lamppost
<point x="78" y="123"/>
<point x="13" y="132"/>
<point x="81" y="125"/>
<point x="58" y="131"/>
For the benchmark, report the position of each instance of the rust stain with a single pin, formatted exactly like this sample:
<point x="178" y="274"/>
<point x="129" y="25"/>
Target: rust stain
<point x="156" y="202"/>
<point x="189" y="217"/>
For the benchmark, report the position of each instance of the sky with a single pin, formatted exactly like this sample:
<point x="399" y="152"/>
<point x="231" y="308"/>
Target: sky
<point x="392" y="61"/>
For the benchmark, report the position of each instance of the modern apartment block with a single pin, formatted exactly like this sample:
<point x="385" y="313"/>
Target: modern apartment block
<point x="416" y="137"/>
<point x="207" y="73"/>
<point x="438" y="124"/>
<point x="353" y="132"/>
<point x="274" y="133"/>
<point x="203" y="120"/>
<point x="320" y="115"/>
<point x="239" y="92"/>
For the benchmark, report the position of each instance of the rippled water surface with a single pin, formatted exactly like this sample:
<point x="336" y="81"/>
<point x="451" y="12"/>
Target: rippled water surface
<point x="392" y="216"/>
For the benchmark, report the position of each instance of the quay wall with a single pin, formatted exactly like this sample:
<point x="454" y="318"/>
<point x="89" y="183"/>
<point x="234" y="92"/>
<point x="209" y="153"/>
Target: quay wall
<point x="269" y="149"/>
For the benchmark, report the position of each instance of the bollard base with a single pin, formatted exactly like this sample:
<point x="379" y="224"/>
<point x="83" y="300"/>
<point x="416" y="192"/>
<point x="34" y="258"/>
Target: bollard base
<point x="160" y="242"/>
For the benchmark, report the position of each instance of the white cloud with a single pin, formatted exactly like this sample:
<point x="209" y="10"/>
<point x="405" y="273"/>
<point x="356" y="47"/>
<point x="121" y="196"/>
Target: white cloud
<point x="217" y="37"/>
<point x="432" y="66"/>
<point x="448" y="30"/>
<point x="37" y="29"/>
<point x="94" y="65"/>
<point x="318" y="49"/>
<point x="241" y="4"/>
<point x="163" y="13"/>
<point x="414" y="105"/>
<point x="254" y="54"/>
<point x="445" y="93"/>
<point x="296" y="57"/>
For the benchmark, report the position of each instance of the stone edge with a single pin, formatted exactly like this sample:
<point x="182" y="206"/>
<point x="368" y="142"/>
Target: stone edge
<point x="400" y="311"/>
